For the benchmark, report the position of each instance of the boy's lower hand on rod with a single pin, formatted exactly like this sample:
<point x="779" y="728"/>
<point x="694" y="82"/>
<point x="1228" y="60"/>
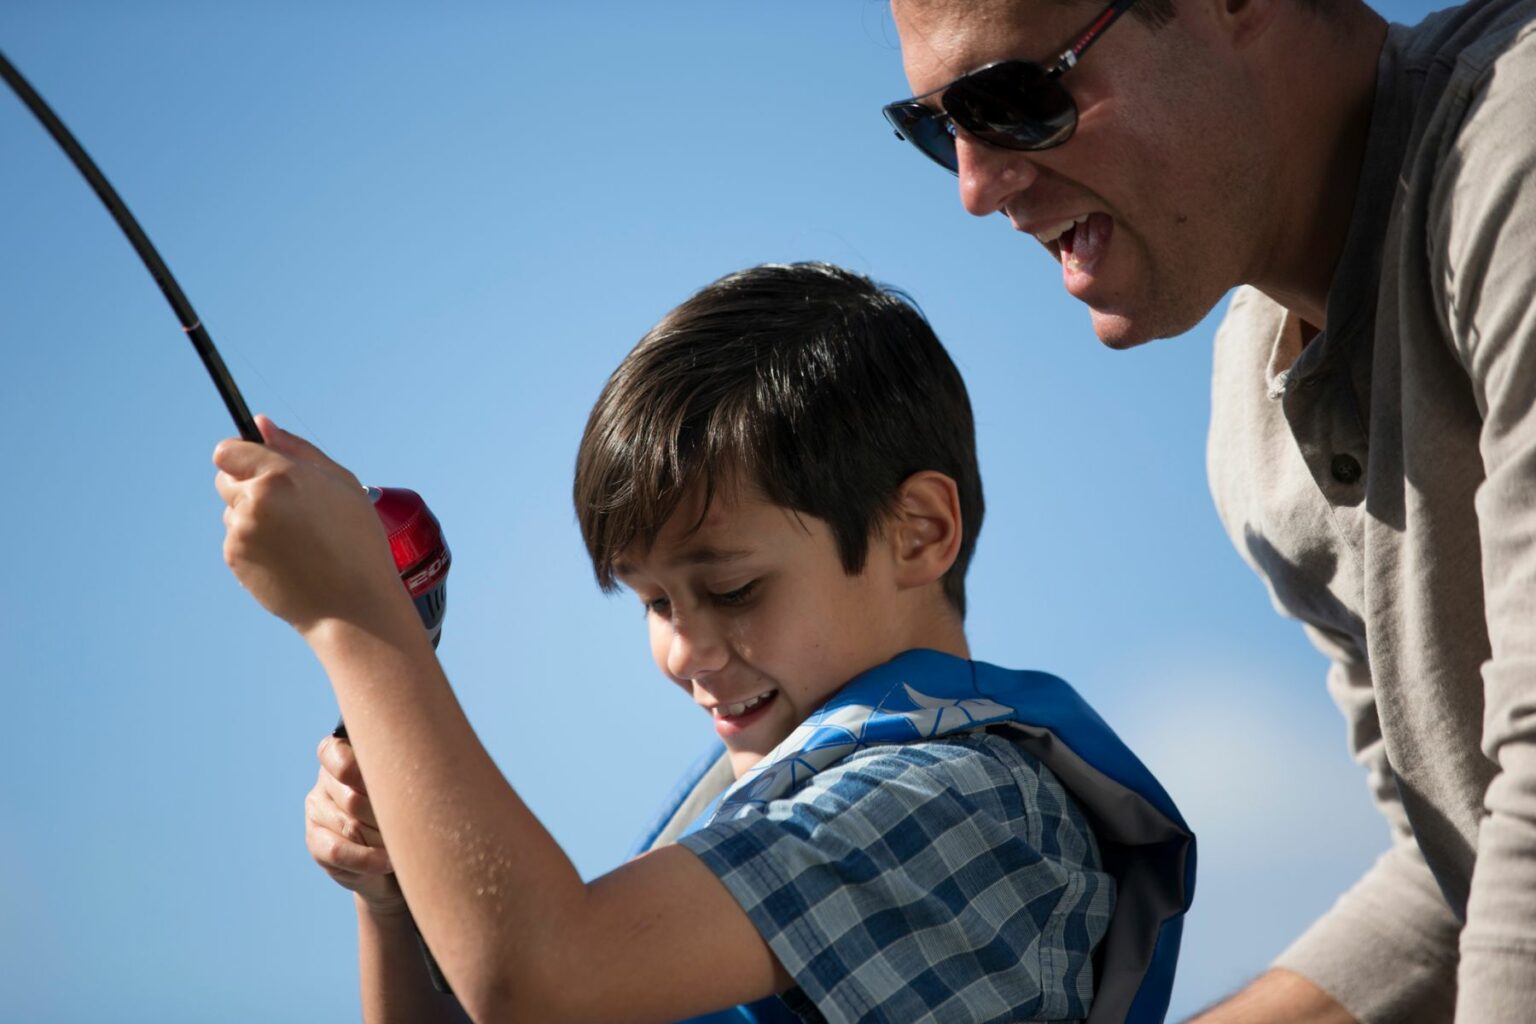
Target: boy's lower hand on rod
<point x="342" y="834"/>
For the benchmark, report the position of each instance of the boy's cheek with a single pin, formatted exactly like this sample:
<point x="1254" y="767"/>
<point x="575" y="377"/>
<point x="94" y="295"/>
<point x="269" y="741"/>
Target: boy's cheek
<point x="660" y="639"/>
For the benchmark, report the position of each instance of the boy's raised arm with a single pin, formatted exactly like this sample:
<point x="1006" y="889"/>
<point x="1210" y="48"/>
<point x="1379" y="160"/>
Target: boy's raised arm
<point x="516" y="930"/>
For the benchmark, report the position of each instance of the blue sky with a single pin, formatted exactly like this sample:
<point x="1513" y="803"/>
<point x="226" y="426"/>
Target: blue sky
<point x="423" y="239"/>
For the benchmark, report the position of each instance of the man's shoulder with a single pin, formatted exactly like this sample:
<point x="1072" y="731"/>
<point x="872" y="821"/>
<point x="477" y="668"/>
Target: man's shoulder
<point x="1478" y="218"/>
<point x="1469" y="37"/>
<point x="1443" y="71"/>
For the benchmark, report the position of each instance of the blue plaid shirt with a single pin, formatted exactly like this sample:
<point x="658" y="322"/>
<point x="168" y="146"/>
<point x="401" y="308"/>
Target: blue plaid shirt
<point x="950" y="880"/>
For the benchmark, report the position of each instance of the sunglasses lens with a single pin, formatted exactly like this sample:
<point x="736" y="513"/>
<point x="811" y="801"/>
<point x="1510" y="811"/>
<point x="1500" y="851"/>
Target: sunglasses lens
<point x="1013" y="105"/>
<point x="930" y="131"/>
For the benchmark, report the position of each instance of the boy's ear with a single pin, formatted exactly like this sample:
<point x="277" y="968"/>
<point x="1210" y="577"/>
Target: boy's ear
<point x="925" y="529"/>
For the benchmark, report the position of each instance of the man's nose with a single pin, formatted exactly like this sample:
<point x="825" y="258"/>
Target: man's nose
<point x="990" y="174"/>
<point x="697" y="648"/>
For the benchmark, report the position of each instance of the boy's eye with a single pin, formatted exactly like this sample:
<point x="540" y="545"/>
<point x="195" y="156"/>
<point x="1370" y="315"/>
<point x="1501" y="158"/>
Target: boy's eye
<point x="738" y="596"/>
<point x="658" y="606"/>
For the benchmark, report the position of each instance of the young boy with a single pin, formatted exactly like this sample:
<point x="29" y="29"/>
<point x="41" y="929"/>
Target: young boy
<point x="783" y="472"/>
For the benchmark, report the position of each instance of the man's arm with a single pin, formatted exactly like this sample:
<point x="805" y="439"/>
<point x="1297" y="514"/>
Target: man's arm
<point x="1487" y="204"/>
<point x="1386" y="950"/>
<point x="1277" y="997"/>
<point x="1385" y="953"/>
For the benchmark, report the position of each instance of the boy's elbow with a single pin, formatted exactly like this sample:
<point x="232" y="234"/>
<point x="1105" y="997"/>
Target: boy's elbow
<point x="501" y="997"/>
<point x="500" y="1000"/>
<point x="484" y="989"/>
<point x="532" y="969"/>
<point x="530" y="993"/>
<point x="508" y="1006"/>
<point x="487" y="1003"/>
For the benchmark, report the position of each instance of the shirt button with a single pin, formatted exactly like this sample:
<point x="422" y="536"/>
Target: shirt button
<point x="1345" y="468"/>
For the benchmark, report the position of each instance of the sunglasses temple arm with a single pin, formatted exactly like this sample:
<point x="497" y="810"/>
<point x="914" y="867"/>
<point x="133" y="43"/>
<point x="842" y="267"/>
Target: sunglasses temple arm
<point x="1105" y="19"/>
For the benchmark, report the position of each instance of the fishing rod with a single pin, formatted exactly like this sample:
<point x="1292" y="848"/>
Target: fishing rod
<point x="415" y="536"/>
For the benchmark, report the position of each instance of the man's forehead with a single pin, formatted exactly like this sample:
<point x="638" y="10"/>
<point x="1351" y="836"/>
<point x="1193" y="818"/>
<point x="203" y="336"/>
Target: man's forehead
<point x="980" y="12"/>
<point x="946" y="38"/>
<point x="956" y="18"/>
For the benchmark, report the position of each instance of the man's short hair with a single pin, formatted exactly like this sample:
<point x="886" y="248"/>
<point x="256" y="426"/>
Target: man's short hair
<point x="1154" y="13"/>
<point x="1157" y="13"/>
<point x="824" y="388"/>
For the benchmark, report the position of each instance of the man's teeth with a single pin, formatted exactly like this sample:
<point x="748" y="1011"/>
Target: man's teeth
<point x="732" y="710"/>
<point x="1055" y="231"/>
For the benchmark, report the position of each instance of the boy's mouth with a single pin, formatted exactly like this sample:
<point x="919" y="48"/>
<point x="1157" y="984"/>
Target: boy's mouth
<point x="732" y="718"/>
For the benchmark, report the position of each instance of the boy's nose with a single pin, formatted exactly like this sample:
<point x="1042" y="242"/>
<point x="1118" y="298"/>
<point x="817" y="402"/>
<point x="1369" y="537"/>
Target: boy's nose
<point x="696" y="650"/>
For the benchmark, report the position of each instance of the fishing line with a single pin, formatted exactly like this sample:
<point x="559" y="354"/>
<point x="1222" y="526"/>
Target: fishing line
<point x="191" y="323"/>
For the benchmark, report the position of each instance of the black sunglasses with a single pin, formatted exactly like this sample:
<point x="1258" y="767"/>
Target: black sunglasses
<point x="1014" y="104"/>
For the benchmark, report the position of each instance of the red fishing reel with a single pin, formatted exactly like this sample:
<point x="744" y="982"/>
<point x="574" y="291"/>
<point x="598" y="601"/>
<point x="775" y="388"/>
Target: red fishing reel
<point x="421" y="553"/>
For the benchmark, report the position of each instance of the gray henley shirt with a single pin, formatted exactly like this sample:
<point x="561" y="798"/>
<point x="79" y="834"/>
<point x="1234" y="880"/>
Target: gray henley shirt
<point x="1382" y="481"/>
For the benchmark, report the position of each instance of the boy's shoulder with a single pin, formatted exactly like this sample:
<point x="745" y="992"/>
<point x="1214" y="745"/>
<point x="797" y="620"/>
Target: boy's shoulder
<point x="948" y="800"/>
<point x="937" y="803"/>
<point x="987" y="772"/>
<point x="964" y="843"/>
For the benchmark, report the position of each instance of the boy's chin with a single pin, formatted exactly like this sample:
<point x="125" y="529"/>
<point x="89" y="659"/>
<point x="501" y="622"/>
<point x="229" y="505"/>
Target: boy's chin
<point x="747" y="751"/>
<point x="743" y="761"/>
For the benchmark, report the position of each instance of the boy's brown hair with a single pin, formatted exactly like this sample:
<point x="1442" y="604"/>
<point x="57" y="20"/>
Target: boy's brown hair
<point x="820" y="386"/>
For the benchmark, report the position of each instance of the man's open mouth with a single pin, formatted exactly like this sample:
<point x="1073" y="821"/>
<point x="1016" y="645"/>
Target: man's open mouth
<point x="1080" y="242"/>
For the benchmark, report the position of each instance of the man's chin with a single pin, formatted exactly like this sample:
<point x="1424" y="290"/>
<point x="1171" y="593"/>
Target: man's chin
<point x="1119" y="331"/>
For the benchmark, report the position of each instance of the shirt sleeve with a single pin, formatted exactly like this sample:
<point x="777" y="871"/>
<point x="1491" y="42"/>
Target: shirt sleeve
<point x="1487" y="204"/>
<point x="1386" y="950"/>
<point x="951" y="880"/>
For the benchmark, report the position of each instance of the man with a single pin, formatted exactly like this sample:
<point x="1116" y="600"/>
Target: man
<point x="1373" y="441"/>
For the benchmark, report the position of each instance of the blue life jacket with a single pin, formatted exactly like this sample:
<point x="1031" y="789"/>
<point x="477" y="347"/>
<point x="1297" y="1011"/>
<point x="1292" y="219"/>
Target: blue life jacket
<point x="919" y="695"/>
